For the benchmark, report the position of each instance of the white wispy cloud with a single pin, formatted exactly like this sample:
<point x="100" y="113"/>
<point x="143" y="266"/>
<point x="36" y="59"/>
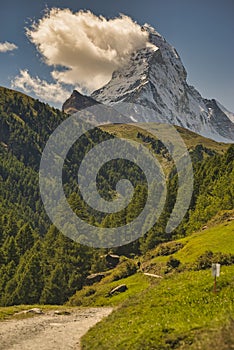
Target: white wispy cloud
<point x="87" y="48"/>
<point x="47" y="92"/>
<point x="6" y="46"/>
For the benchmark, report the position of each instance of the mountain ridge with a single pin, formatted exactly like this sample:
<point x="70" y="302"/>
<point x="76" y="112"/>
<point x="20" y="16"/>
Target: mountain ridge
<point x="155" y="82"/>
<point x="152" y="87"/>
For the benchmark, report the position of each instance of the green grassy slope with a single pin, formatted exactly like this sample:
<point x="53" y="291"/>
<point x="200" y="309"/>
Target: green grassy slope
<point x="219" y="238"/>
<point x="180" y="311"/>
<point x="216" y="239"/>
<point x="98" y="294"/>
<point x="190" y="138"/>
<point x="172" y="314"/>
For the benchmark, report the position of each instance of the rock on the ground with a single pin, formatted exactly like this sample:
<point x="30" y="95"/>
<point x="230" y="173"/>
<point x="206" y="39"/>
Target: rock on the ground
<point x="34" y="310"/>
<point x="95" y="277"/>
<point x="119" y="289"/>
<point x="62" y="312"/>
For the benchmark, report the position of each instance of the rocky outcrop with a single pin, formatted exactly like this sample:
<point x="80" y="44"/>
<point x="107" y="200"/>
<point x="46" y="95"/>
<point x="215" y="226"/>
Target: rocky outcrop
<point x="94" y="278"/>
<point x="77" y="102"/>
<point x="119" y="289"/>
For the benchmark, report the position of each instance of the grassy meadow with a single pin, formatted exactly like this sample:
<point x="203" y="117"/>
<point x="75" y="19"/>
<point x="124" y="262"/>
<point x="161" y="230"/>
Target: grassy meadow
<point x="179" y="311"/>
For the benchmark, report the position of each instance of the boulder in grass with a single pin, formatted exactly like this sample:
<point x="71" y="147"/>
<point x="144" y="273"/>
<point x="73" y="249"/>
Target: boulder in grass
<point x="119" y="289"/>
<point x="95" y="277"/>
<point x="34" y="310"/>
<point x="61" y="312"/>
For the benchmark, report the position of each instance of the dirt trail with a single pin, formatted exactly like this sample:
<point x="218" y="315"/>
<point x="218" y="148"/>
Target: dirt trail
<point x="49" y="331"/>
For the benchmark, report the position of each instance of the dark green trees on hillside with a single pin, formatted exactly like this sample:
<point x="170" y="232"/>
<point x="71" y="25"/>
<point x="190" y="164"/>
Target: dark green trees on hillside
<point x="214" y="189"/>
<point x="46" y="270"/>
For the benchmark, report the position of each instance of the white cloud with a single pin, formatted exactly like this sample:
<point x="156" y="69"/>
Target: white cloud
<point x="47" y="92"/>
<point x="4" y="47"/>
<point x="87" y="48"/>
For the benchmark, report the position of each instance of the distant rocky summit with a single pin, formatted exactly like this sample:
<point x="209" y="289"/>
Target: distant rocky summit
<point x="154" y="87"/>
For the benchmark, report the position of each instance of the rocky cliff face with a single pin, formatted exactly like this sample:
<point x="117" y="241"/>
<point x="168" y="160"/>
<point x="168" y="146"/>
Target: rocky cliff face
<point x="91" y="111"/>
<point x="77" y="102"/>
<point x="153" y="84"/>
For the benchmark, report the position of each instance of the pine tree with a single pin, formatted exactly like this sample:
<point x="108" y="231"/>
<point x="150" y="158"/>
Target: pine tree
<point x="25" y="239"/>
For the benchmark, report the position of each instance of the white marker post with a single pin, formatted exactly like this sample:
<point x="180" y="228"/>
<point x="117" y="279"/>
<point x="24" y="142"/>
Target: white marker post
<point x="215" y="274"/>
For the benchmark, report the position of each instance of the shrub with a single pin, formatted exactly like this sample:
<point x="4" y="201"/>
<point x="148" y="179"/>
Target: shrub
<point x="125" y="269"/>
<point x="168" y="248"/>
<point x="205" y="260"/>
<point x="90" y="291"/>
<point x="172" y="263"/>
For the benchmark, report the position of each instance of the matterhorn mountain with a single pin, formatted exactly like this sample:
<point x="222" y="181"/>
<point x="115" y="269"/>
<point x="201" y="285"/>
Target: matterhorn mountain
<point x="152" y="87"/>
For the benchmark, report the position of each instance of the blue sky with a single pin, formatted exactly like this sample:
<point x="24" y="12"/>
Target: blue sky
<point x="201" y="31"/>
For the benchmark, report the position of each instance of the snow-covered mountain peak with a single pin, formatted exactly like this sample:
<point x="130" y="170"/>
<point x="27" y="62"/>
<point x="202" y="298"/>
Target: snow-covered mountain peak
<point x="155" y="79"/>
